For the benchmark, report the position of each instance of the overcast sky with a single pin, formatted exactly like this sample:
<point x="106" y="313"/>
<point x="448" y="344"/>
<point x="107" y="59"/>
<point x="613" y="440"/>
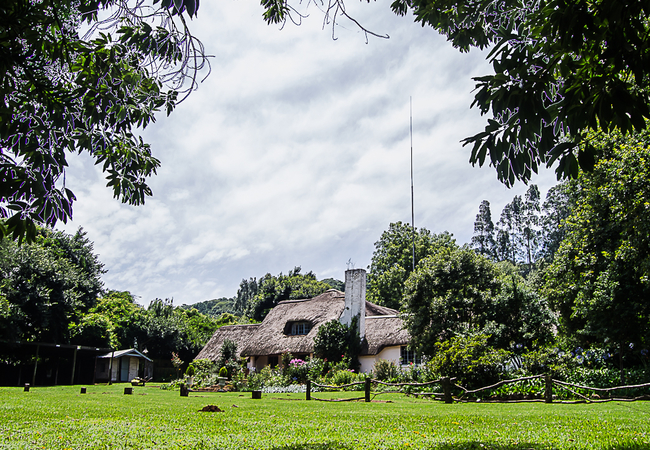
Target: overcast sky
<point x="295" y="152"/>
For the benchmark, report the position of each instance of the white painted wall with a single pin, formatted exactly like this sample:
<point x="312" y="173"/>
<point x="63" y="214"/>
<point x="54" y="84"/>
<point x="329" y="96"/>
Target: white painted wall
<point x="355" y="299"/>
<point x="116" y="369"/>
<point x="134" y="363"/>
<point x="389" y="354"/>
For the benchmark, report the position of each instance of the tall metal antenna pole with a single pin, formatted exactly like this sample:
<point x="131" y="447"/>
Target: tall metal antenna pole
<point x="412" y="202"/>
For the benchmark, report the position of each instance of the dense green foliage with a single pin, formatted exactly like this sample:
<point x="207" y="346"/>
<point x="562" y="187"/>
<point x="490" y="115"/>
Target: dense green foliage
<point x="59" y="418"/>
<point x="46" y="285"/>
<point x="67" y="92"/>
<point x="51" y="292"/>
<point x="215" y="307"/>
<point x="470" y="360"/>
<point x="339" y="342"/>
<point x="228" y="358"/>
<point x="598" y="280"/>
<point x="457" y="292"/>
<point x="256" y="298"/>
<point x="161" y="328"/>
<point x="392" y="261"/>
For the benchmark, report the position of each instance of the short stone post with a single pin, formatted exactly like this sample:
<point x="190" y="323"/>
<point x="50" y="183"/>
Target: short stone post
<point x="308" y="390"/>
<point x="128" y="390"/>
<point x="548" y="389"/>
<point x="184" y="390"/>
<point x="446" y="389"/>
<point x="367" y="389"/>
<point x="26" y="389"/>
<point x="83" y="390"/>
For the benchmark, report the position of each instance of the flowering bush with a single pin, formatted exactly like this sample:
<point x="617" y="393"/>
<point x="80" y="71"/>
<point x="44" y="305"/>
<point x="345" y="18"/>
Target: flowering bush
<point x="297" y="371"/>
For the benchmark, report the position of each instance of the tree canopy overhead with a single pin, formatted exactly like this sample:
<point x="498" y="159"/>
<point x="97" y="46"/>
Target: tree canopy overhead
<point x="562" y="68"/>
<point x="63" y="92"/>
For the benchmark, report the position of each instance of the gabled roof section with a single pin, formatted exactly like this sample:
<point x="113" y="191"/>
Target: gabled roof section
<point x="271" y="339"/>
<point x="383" y="331"/>
<point x="239" y="334"/>
<point x="127" y="352"/>
<point x="376" y="310"/>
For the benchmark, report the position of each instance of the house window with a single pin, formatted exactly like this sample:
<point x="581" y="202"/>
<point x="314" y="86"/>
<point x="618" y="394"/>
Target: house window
<point x="409" y="356"/>
<point x="298" y="328"/>
<point x="273" y="361"/>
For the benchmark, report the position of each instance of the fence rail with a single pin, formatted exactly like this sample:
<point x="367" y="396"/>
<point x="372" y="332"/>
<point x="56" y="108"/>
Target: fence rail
<point x="447" y="383"/>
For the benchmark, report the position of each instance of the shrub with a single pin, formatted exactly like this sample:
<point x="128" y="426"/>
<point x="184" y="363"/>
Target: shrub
<point x="227" y="352"/>
<point x="341" y="377"/>
<point x="331" y="341"/>
<point x="384" y="370"/>
<point x="223" y="372"/>
<point x="470" y="359"/>
<point x="335" y="341"/>
<point x="285" y="359"/>
<point x="267" y="377"/>
<point x="316" y="367"/>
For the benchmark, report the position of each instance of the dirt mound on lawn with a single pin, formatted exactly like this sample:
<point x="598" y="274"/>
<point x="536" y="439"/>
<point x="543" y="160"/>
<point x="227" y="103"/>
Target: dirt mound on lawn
<point x="211" y="408"/>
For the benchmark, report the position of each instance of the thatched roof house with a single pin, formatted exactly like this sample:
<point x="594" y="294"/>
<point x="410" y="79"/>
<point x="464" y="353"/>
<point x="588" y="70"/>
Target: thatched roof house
<point x="293" y="324"/>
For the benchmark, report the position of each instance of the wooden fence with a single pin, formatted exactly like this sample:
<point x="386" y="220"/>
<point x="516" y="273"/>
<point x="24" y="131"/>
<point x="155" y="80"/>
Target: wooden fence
<point x="447" y="384"/>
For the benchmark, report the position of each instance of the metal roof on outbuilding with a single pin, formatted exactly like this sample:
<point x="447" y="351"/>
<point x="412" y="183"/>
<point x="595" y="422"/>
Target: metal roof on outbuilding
<point x="127" y="352"/>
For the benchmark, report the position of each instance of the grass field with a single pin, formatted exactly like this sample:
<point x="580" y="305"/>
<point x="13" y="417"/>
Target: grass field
<point x="62" y="418"/>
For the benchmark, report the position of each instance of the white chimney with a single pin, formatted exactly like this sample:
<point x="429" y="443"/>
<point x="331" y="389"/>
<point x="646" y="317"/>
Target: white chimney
<point x="355" y="299"/>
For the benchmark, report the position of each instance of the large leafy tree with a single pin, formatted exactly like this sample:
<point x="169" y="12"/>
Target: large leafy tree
<point x="458" y="292"/>
<point x="119" y="322"/>
<point x="392" y="261"/>
<point x="65" y="92"/>
<point x="273" y="289"/>
<point x="598" y="280"/>
<point x="559" y="203"/>
<point x="519" y="318"/>
<point x="562" y="68"/>
<point x="448" y="294"/>
<point x="47" y="285"/>
<point x="122" y="314"/>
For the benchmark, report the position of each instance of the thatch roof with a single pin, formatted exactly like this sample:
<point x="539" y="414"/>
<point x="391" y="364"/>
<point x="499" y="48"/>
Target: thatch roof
<point x="273" y="338"/>
<point x="240" y="334"/>
<point x="273" y="335"/>
<point x="383" y="331"/>
<point x="376" y="310"/>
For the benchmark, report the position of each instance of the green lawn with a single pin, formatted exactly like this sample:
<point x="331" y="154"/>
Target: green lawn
<point x="61" y="418"/>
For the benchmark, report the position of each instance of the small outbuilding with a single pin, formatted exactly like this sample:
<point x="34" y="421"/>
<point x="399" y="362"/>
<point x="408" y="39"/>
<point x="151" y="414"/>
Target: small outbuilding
<point x="123" y="366"/>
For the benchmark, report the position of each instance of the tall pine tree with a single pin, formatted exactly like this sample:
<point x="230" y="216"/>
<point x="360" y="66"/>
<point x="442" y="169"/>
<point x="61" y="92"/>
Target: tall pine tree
<point x="483" y="240"/>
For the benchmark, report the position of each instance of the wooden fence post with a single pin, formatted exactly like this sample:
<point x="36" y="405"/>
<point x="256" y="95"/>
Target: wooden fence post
<point x="26" y="389"/>
<point x="367" y="389"/>
<point x="548" y="389"/>
<point x="308" y="390"/>
<point x="184" y="390"/>
<point x="446" y="389"/>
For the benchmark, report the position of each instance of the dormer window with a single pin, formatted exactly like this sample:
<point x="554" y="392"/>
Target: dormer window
<point x="298" y="328"/>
